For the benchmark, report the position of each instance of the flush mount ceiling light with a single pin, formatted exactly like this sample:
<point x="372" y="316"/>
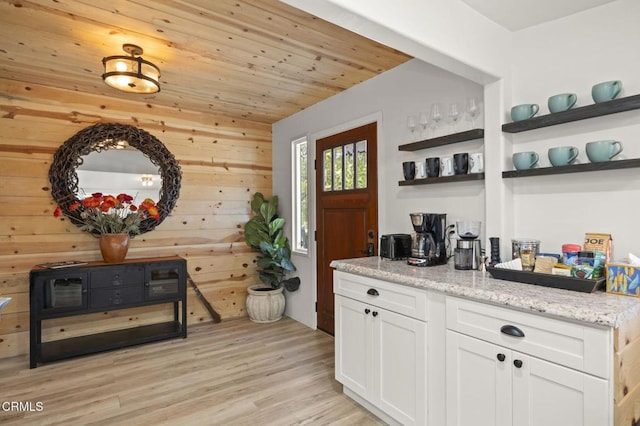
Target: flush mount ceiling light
<point x="131" y="73"/>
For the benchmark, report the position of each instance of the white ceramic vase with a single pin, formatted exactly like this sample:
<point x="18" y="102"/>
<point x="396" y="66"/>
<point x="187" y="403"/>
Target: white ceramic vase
<point x="264" y="304"/>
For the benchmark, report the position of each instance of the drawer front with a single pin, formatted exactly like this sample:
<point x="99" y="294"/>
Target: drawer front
<point x="113" y="297"/>
<point x="398" y="298"/>
<point x="117" y="277"/>
<point x="574" y="345"/>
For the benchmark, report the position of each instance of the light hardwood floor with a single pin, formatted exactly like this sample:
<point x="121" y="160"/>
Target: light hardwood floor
<point x="233" y="373"/>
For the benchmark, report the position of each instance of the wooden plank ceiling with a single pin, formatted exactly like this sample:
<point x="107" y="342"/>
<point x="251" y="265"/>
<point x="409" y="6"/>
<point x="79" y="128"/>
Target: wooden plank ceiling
<point x="260" y="60"/>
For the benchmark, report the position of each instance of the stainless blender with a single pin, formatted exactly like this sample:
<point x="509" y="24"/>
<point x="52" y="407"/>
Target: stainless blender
<point x="468" y="252"/>
<point x="428" y="245"/>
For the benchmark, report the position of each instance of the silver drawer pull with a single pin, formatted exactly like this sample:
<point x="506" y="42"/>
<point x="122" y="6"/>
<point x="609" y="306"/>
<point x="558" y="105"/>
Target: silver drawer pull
<point x="511" y="330"/>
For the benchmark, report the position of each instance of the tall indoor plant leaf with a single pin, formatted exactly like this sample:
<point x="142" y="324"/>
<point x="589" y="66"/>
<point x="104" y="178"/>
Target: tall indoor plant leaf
<point x="264" y="232"/>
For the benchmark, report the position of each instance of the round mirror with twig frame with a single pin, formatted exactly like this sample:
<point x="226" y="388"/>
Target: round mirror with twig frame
<point x="105" y="136"/>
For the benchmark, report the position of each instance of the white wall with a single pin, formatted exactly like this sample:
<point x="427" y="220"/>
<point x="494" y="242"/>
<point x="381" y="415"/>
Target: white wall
<point x="118" y="183"/>
<point x="388" y="98"/>
<point x="571" y="55"/>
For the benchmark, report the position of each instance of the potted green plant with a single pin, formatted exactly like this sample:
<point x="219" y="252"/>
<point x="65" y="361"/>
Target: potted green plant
<point x="265" y="232"/>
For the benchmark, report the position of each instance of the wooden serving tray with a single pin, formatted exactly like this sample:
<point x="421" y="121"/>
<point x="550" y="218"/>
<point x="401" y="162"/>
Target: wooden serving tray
<point x="548" y="280"/>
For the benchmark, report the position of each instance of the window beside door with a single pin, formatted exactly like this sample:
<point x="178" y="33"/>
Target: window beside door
<point x="300" y="197"/>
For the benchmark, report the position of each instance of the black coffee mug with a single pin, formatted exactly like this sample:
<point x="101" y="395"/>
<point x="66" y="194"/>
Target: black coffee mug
<point x="409" y="169"/>
<point x="433" y="167"/>
<point x="461" y="163"/>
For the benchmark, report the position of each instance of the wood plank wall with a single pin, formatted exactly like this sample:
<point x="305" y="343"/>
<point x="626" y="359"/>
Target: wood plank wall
<point x="223" y="160"/>
<point x="626" y="368"/>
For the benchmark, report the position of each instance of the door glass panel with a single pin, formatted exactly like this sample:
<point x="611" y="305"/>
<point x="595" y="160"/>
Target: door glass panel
<point x="327" y="167"/>
<point x="344" y="167"/>
<point x="349" y="167"/>
<point x="63" y="293"/>
<point x="361" y="164"/>
<point x="337" y="168"/>
<point x="163" y="282"/>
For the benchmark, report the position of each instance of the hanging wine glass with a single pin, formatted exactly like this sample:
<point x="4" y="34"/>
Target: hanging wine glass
<point x="436" y="116"/>
<point x="454" y="115"/>
<point x="412" y="125"/>
<point x="424" y="122"/>
<point x="473" y="110"/>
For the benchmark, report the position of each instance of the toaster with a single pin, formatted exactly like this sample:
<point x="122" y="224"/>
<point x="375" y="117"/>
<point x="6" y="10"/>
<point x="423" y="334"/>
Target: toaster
<point x="395" y="246"/>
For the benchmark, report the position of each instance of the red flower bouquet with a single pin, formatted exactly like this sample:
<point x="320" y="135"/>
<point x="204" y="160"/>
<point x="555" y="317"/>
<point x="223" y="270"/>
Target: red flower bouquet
<point x="106" y="214"/>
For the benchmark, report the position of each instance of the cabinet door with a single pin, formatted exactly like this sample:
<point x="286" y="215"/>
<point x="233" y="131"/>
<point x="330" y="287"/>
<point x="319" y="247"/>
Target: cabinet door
<point x="164" y="280"/>
<point x="400" y="364"/>
<point x="58" y="292"/>
<point x="353" y="335"/>
<point x="548" y="394"/>
<point x="478" y="382"/>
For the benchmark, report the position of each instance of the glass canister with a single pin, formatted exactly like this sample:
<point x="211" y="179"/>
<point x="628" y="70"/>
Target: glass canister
<point x="528" y="251"/>
<point x="515" y="249"/>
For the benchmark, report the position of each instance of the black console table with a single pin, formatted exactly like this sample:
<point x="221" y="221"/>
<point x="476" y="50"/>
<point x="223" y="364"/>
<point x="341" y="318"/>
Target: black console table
<point x="100" y="287"/>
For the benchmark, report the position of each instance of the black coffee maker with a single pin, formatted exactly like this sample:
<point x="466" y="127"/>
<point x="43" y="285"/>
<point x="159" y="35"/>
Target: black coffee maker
<point x="428" y="245"/>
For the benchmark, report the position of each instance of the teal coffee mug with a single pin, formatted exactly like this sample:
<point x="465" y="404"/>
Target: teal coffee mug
<point x="601" y="151"/>
<point x="561" y="102"/>
<point x="563" y="155"/>
<point x="525" y="160"/>
<point x="524" y="111"/>
<point x="606" y="91"/>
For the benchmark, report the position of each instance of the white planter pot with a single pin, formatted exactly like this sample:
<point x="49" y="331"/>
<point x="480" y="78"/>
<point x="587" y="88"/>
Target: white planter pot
<point x="264" y="304"/>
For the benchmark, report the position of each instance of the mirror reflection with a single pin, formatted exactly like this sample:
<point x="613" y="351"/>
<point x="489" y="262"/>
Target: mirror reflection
<point x="116" y="171"/>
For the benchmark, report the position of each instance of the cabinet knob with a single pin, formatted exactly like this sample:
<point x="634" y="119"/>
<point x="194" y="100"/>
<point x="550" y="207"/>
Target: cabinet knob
<point x="373" y="292"/>
<point x="367" y="310"/>
<point x="517" y="363"/>
<point x="501" y="357"/>
<point x="511" y="330"/>
<point x="374" y="313"/>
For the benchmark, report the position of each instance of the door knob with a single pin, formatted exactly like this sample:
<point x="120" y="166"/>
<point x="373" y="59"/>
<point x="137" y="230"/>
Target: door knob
<point x="517" y="363"/>
<point x="367" y="310"/>
<point x="501" y="357"/>
<point x="374" y="313"/>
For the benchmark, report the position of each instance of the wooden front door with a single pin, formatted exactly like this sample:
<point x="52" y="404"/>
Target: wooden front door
<point x="346" y="207"/>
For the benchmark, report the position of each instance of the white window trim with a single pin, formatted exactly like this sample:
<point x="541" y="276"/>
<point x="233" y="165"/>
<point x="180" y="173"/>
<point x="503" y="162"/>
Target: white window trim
<point x="295" y="198"/>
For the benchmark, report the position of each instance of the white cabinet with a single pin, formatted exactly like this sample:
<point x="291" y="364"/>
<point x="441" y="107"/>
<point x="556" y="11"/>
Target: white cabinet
<point x="381" y="354"/>
<point x="493" y="386"/>
<point x="354" y="342"/>
<point x="495" y="382"/>
<point x="417" y="357"/>
<point x="545" y="393"/>
<point x="478" y="385"/>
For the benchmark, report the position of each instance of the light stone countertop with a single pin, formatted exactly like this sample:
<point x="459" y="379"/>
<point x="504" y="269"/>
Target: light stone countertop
<point x="600" y="308"/>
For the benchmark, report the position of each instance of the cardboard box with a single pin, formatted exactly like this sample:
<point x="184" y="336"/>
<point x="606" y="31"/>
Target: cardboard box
<point x="623" y="278"/>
